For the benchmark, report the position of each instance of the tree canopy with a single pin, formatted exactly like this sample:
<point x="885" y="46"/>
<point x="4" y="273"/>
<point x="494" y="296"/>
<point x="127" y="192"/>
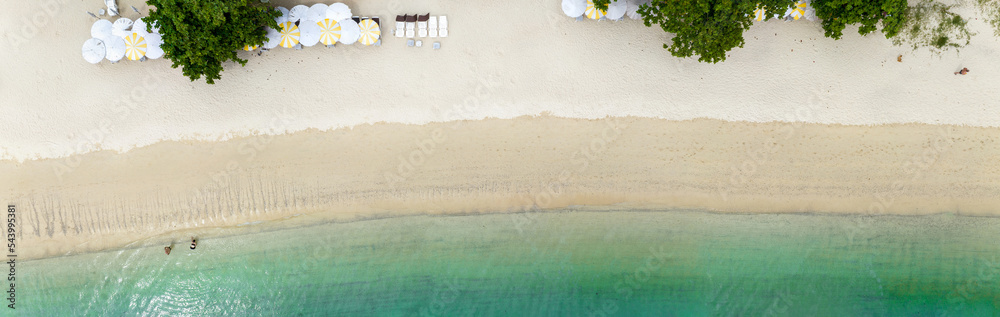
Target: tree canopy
<point x="707" y="28"/>
<point x="200" y="35"/>
<point x="837" y="14"/>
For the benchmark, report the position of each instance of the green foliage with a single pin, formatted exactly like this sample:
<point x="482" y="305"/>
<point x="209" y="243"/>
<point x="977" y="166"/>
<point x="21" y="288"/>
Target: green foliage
<point x="837" y="14"/>
<point x="933" y="25"/>
<point x="199" y="35"/>
<point x="602" y="4"/>
<point x="707" y="28"/>
<point x="991" y="12"/>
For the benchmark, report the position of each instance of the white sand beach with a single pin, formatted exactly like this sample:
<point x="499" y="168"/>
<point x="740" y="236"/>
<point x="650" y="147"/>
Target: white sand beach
<point x="504" y="59"/>
<point x="521" y="108"/>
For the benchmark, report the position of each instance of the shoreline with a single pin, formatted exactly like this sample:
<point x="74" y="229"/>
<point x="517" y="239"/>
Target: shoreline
<point x="501" y="165"/>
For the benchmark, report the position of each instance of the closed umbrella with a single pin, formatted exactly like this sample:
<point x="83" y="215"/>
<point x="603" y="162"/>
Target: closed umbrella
<point x="93" y="50"/>
<point x="369" y="32"/>
<point x="153" y="42"/>
<point x="289" y="34"/>
<point x="616" y="9"/>
<point x="309" y="33"/>
<point x="329" y="31"/>
<point x="122" y="27"/>
<point x="297" y="13"/>
<point x="135" y="46"/>
<point x="593" y="12"/>
<point x="317" y="12"/>
<point x="101" y="29"/>
<point x="350" y="31"/>
<point x="338" y="12"/>
<point x="574" y="8"/>
<point x="114" y="48"/>
<point x="273" y="38"/>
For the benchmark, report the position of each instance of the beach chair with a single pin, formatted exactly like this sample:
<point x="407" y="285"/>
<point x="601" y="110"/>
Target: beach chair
<point x="432" y="27"/>
<point x="422" y="25"/>
<point x="443" y="26"/>
<point x="379" y="23"/>
<point x="357" y="19"/>
<point x="400" y="25"/>
<point x="411" y="23"/>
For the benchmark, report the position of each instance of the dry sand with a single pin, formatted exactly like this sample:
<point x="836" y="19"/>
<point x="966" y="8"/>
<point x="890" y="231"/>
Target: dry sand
<point x="104" y="199"/>
<point x="504" y="59"/>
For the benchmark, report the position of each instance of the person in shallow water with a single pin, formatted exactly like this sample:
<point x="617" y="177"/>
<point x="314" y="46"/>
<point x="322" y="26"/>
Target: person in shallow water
<point x="167" y="250"/>
<point x="194" y="243"/>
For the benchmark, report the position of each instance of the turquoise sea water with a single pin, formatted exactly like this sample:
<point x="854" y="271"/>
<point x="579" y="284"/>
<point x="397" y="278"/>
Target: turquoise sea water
<point x="564" y="263"/>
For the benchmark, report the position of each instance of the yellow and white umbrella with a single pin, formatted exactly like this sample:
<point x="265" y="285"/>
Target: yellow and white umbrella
<point x="592" y="11"/>
<point x="250" y="48"/>
<point x="369" y="32"/>
<point x="135" y="46"/>
<point x="289" y="34"/>
<point x="797" y="11"/>
<point x="329" y="31"/>
<point x="760" y="14"/>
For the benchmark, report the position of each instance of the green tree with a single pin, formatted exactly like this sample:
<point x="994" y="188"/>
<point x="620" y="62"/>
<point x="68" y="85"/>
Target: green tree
<point x="707" y="28"/>
<point x="200" y="35"/>
<point x="837" y="14"/>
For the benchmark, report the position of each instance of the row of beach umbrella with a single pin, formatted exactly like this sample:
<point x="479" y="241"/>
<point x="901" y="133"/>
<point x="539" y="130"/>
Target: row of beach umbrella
<point x="302" y="25"/>
<point x="123" y="39"/>
<point x="319" y="23"/>
<point x="619" y="8"/>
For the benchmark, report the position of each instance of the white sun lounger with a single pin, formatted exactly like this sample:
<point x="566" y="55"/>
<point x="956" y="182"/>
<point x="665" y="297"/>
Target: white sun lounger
<point x="432" y="27"/>
<point x="400" y="25"/>
<point x="411" y="23"/>
<point x="443" y="26"/>
<point x="422" y="25"/>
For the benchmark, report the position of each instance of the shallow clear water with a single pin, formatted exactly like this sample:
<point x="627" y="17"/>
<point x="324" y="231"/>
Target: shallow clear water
<point x="568" y="263"/>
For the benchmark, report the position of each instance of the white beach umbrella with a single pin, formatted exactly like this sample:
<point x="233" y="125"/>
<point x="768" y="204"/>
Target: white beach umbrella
<point x="284" y="15"/>
<point x="101" y="29"/>
<point x="309" y="33"/>
<point x="153" y="42"/>
<point x="350" y="31"/>
<point x="616" y="9"/>
<point x="297" y="13"/>
<point x="574" y="8"/>
<point x="273" y="38"/>
<point x="338" y="12"/>
<point x="797" y="11"/>
<point x="289" y="34"/>
<point x="139" y="27"/>
<point x="632" y="11"/>
<point x="135" y="46"/>
<point x="810" y="11"/>
<point x="329" y="31"/>
<point x="592" y="11"/>
<point x="93" y="50"/>
<point x="369" y="32"/>
<point x="317" y="12"/>
<point x="114" y="48"/>
<point x="122" y="27"/>
<point x="760" y="14"/>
